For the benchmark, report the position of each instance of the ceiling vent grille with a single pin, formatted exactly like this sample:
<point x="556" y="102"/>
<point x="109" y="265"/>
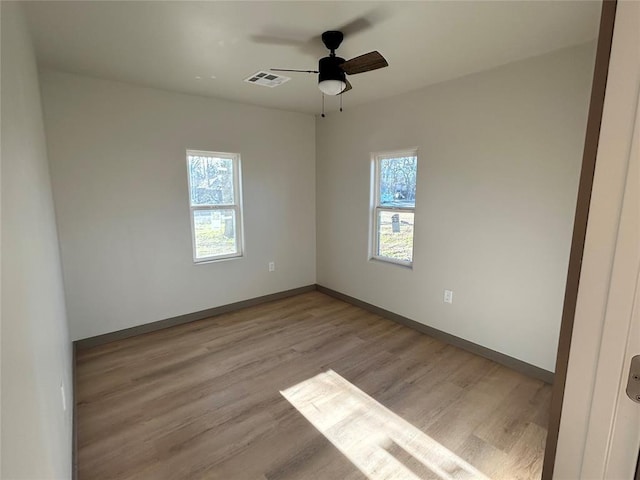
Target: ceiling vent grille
<point x="267" y="79"/>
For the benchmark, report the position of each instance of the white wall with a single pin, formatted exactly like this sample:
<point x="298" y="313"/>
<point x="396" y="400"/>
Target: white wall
<point x="499" y="158"/>
<point x="36" y="354"/>
<point x="119" y="176"/>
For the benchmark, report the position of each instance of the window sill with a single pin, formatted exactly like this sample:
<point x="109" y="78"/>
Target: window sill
<point x="216" y="260"/>
<point x="391" y="262"/>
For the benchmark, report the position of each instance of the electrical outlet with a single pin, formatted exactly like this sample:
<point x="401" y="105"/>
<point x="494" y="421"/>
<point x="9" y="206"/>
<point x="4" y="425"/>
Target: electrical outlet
<point x="272" y="266"/>
<point x="448" y="296"/>
<point x="63" y="398"/>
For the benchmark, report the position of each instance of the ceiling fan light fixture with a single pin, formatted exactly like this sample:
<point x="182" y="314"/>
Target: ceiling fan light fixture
<point x="331" y="78"/>
<point x="332" y="87"/>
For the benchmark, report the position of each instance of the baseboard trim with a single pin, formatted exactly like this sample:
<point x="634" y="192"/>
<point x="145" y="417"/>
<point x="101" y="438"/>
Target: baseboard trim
<point x="187" y="318"/>
<point x="513" y="363"/>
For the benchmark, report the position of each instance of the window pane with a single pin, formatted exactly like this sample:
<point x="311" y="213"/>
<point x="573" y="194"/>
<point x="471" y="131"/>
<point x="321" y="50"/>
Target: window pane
<point x="395" y="235"/>
<point x="211" y="180"/>
<point x="398" y="181"/>
<point x="215" y="232"/>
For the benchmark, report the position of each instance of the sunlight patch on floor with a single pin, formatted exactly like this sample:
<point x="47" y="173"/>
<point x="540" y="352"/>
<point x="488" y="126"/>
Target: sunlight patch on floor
<point x="377" y="441"/>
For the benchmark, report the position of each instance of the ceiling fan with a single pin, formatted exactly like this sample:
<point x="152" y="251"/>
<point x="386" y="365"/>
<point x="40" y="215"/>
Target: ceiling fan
<point x="333" y="70"/>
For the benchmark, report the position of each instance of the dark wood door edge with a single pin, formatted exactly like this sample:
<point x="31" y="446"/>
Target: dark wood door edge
<point x="74" y="416"/>
<point x="592" y="137"/>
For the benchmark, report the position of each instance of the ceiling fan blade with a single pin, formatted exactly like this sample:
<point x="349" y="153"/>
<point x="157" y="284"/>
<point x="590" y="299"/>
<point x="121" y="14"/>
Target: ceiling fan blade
<point x="364" y="63"/>
<point x="276" y="40"/>
<point x="292" y="70"/>
<point x="288" y="37"/>
<point x="348" y="87"/>
<point x="364" y="22"/>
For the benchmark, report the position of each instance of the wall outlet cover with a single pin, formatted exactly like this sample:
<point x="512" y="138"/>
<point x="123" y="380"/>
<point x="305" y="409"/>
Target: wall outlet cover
<point x="448" y="296"/>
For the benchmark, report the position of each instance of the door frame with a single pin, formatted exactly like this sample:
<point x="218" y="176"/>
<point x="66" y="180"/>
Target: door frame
<point x="593" y="245"/>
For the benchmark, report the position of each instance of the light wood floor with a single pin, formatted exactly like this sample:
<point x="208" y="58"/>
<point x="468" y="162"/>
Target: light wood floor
<point x="204" y="401"/>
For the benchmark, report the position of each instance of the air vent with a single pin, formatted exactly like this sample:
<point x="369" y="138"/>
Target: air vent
<point x="267" y="79"/>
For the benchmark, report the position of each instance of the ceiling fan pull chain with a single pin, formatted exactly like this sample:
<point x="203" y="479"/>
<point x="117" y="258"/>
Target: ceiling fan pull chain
<point x="323" y="105"/>
<point x="341" y="101"/>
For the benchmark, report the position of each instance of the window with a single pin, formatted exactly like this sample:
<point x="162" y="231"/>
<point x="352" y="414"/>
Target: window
<point x="394" y="202"/>
<point x="215" y="200"/>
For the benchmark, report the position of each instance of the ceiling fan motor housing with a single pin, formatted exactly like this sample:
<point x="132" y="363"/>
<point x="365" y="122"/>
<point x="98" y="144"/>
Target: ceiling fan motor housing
<point x="329" y="69"/>
<point x="332" y="39"/>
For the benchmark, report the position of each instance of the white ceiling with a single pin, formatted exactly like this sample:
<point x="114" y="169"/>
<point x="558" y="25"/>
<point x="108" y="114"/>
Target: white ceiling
<point x="170" y="44"/>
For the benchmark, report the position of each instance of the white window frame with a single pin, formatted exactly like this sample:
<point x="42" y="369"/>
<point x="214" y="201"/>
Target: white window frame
<point x="236" y="206"/>
<point x="377" y="207"/>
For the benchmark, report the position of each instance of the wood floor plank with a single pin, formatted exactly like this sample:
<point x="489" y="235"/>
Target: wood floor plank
<point x="204" y="400"/>
<point x="525" y="455"/>
<point x="490" y="460"/>
<point x="506" y="424"/>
